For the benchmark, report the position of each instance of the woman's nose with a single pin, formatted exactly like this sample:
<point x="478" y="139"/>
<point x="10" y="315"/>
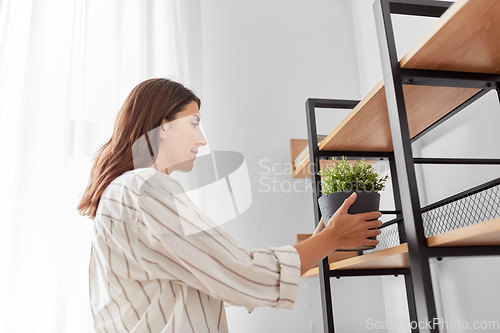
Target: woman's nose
<point x="201" y="140"/>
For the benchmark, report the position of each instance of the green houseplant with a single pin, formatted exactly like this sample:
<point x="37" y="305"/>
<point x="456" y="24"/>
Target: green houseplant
<point x="340" y="180"/>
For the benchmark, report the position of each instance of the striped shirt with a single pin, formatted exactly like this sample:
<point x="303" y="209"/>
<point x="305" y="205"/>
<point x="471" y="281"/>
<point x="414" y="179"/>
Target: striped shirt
<point x="156" y="267"/>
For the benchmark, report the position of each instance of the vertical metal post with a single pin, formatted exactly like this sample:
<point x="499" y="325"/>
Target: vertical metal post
<point x="412" y="310"/>
<point x="397" y="198"/>
<point x="417" y="243"/>
<point x="324" y="267"/>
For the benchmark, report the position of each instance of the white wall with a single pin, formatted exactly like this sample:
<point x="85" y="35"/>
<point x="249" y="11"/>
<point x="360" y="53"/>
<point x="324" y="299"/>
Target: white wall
<point x="261" y="61"/>
<point x="466" y="288"/>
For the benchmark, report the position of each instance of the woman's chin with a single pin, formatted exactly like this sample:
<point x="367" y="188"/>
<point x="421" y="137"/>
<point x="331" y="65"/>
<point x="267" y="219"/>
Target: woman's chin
<point x="185" y="166"/>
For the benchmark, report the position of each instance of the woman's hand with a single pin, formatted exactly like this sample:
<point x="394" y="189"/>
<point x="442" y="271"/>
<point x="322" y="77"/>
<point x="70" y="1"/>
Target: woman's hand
<point x="350" y="231"/>
<point x="343" y="231"/>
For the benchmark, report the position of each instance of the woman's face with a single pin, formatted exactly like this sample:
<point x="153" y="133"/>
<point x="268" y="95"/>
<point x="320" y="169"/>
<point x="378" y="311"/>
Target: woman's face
<point x="180" y="140"/>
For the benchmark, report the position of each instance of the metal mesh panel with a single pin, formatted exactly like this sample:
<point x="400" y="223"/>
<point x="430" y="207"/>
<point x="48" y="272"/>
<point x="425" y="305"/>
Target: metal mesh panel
<point x="388" y="238"/>
<point x="471" y="207"/>
<point x="477" y="207"/>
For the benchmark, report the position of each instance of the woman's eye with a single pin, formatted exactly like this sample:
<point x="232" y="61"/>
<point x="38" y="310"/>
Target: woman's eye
<point x="195" y="124"/>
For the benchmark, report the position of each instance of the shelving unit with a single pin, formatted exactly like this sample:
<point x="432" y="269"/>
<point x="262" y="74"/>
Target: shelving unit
<point x="453" y="65"/>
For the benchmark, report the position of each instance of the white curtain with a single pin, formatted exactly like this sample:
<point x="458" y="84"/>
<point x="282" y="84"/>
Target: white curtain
<point x="66" y="67"/>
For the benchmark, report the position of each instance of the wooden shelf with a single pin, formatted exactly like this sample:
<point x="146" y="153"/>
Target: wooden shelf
<point x="394" y="257"/>
<point x="464" y="39"/>
<point x="481" y="234"/>
<point x="366" y="127"/>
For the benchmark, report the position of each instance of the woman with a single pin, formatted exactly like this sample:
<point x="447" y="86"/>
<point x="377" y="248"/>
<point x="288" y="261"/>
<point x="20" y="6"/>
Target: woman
<point x="155" y="265"/>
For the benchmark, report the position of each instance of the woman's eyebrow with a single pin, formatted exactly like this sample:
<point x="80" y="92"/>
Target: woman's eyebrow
<point x="197" y="117"/>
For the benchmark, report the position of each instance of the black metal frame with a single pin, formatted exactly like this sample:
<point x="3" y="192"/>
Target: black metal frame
<point x="420" y="295"/>
<point x="314" y="164"/>
<point x="315" y="155"/>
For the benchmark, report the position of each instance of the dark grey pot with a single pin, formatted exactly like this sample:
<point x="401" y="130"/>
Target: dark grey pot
<point x="365" y="202"/>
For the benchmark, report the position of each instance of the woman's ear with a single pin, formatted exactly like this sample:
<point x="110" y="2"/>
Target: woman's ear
<point x="163" y="129"/>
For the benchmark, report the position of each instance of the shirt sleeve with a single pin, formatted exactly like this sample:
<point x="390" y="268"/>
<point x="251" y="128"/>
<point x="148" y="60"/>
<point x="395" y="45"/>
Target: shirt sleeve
<point x="178" y="241"/>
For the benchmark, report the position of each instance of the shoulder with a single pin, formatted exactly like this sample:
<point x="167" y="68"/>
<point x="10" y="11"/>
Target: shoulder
<point x="133" y="190"/>
<point x="119" y="200"/>
<point x="147" y="182"/>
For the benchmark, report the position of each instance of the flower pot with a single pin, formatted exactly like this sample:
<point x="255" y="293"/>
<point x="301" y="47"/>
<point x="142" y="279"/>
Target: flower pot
<point x="365" y="202"/>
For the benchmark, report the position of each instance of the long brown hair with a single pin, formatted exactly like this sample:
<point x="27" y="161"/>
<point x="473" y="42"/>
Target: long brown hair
<point x="144" y="109"/>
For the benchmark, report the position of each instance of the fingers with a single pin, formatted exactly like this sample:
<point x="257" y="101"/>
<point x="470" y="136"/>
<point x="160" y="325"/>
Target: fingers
<point x="370" y="242"/>
<point x="373" y="224"/>
<point x="370" y="215"/>
<point x="374" y="232"/>
<point x="347" y="203"/>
